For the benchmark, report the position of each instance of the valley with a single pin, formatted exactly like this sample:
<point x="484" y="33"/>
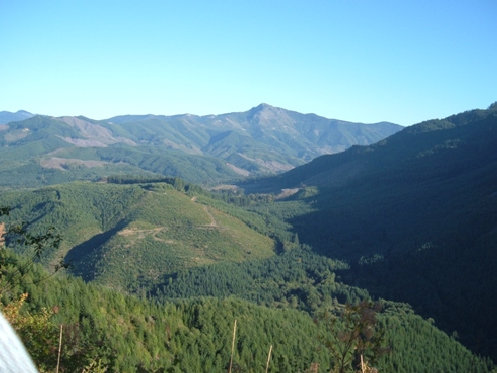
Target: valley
<point x="314" y="219"/>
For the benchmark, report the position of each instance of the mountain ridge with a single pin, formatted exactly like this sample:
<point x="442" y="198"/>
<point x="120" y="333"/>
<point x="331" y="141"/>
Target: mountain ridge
<point x="7" y="116"/>
<point x="415" y="215"/>
<point x="411" y="217"/>
<point x="427" y="138"/>
<point x="262" y="140"/>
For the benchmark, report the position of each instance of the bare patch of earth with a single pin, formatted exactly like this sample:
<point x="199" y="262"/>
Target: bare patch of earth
<point x="225" y="187"/>
<point x="286" y="193"/>
<point x="93" y="134"/>
<point x="55" y="152"/>
<point x="84" y="143"/>
<point x="272" y="166"/>
<point x="16" y="135"/>
<point x="238" y="170"/>
<point x="213" y="222"/>
<point x="142" y="233"/>
<point x="61" y="163"/>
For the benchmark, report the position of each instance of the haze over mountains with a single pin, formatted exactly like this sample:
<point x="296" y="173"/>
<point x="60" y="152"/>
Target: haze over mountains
<point x="202" y="149"/>
<point x="7" y="116"/>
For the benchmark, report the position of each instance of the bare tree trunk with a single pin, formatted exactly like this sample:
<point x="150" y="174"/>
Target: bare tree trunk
<point x="232" y="347"/>
<point x="268" y="357"/>
<point x="60" y="347"/>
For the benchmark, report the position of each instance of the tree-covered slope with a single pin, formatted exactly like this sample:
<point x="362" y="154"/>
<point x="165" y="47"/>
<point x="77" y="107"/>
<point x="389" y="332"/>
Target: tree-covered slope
<point x="415" y="215"/>
<point x="206" y="150"/>
<point x="262" y="139"/>
<point x="106" y="329"/>
<point x="123" y="234"/>
<point x="45" y="150"/>
<point x="424" y="151"/>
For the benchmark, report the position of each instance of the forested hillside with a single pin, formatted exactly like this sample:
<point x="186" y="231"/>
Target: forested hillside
<point x="415" y="216"/>
<point x="41" y="150"/>
<point x="264" y="138"/>
<point x="125" y="234"/>
<point x="103" y="328"/>
<point x="149" y="273"/>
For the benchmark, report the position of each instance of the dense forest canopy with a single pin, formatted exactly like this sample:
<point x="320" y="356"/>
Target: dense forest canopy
<point x="386" y="247"/>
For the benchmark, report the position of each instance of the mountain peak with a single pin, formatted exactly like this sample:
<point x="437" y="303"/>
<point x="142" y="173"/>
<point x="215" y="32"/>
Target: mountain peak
<point x="7" y="116"/>
<point x="262" y="107"/>
<point x="23" y="112"/>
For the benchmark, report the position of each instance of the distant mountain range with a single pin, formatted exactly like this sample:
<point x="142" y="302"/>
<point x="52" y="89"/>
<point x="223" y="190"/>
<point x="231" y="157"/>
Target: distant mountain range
<point x="203" y="149"/>
<point x="431" y="149"/>
<point x="416" y="216"/>
<point x="291" y="138"/>
<point x="7" y="116"/>
<point x="411" y="217"/>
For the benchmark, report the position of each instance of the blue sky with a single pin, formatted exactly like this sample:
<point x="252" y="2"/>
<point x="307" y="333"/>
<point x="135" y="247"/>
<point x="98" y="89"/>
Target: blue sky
<point x="357" y="60"/>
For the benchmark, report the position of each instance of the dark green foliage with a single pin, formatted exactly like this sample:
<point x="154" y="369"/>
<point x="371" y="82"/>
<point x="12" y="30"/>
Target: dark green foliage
<point x="296" y="279"/>
<point x="160" y="160"/>
<point x="441" y="283"/>
<point x="178" y="183"/>
<point x="355" y="339"/>
<point x="128" y="334"/>
<point x="410" y="218"/>
<point x="33" y="246"/>
<point x="415" y="216"/>
<point x="408" y="332"/>
<point x="124" y="333"/>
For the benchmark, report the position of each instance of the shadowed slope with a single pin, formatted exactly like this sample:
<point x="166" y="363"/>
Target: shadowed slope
<point x="416" y="216"/>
